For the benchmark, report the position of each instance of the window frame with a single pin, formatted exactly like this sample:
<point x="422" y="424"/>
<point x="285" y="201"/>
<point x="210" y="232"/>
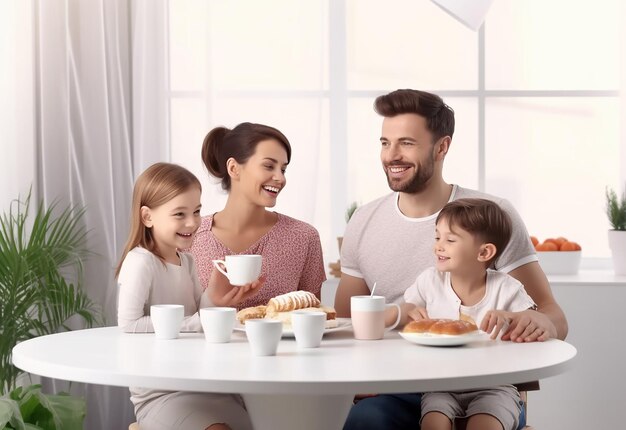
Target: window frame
<point x="338" y="96"/>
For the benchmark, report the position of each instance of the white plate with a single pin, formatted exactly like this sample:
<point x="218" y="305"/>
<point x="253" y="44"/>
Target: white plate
<point x="442" y="339"/>
<point x="342" y="324"/>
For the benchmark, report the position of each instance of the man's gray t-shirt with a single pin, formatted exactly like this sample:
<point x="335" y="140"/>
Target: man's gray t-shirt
<point x="384" y="246"/>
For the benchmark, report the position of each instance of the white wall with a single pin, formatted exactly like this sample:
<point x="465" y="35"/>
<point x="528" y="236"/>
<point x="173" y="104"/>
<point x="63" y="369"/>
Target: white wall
<point x="591" y="395"/>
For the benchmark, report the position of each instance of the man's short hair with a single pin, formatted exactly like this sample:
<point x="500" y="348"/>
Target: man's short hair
<point x="482" y="218"/>
<point x="439" y="116"/>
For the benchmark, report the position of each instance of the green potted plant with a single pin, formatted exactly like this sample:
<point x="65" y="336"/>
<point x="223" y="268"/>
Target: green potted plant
<point x="616" y="212"/>
<point x="335" y="268"/>
<point x="40" y="289"/>
<point x="349" y="212"/>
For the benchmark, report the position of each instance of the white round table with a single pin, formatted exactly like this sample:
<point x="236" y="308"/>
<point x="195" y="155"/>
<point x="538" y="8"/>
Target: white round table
<point x="298" y="388"/>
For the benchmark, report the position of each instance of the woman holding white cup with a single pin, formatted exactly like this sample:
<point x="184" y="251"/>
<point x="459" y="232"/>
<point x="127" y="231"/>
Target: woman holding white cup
<point x="250" y="161"/>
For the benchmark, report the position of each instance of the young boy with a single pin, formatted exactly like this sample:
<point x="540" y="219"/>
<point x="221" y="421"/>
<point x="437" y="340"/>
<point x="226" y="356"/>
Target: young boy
<point x="469" y="235"/>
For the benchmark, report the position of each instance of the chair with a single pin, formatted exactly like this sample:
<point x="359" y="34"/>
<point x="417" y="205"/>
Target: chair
<point x="523" y="389"/>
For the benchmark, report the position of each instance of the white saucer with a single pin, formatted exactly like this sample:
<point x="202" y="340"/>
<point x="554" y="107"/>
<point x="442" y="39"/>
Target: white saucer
<point x="443" y="339"/>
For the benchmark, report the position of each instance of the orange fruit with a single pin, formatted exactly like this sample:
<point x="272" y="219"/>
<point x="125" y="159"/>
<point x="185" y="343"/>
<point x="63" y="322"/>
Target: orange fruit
<point x="560" y="240"/>
<point x="547" y="246"/>
<point x="534" y="240"/>
<point x="552" y="240"/>
<point x="570" y="246"/>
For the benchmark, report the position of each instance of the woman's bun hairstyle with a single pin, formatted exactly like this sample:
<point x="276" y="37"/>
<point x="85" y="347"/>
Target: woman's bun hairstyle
<point x="212" y="149"/>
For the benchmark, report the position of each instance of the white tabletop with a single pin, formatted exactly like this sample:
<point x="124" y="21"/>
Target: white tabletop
<point x="341" y="365"/>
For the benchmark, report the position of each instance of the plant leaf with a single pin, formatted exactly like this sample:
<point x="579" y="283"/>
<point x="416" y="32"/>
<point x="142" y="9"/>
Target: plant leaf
<point x="41" y="269"/>
<point x="28" y="408"/>
<point x="71" y="410"/>
<point x="10" y="414"/>
<point x="616" y="209"/>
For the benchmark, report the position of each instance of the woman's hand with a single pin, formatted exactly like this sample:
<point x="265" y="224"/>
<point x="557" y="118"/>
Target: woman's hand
<point x="222" y="293"/>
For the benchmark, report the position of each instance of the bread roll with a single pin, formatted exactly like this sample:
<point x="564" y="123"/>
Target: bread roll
<point x="440" y="326"/>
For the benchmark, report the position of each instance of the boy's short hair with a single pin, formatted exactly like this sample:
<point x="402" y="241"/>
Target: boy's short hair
<point x="482" y="218"/>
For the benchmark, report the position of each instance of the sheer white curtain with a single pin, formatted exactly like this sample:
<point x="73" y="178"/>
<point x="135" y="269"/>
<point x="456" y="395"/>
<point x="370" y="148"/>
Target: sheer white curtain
<point x="16" y="101"/>
<point x="89" y="90"/>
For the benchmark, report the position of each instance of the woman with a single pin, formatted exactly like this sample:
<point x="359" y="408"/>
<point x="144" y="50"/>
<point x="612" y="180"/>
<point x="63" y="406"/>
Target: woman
<point x="250" y="160"/>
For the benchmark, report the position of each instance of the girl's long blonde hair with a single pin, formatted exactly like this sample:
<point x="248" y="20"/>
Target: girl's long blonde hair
<point x="157" y="185"/>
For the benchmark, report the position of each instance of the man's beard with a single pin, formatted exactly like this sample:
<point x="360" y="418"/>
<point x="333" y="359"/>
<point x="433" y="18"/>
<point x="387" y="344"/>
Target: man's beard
<point x="417" y="183"/>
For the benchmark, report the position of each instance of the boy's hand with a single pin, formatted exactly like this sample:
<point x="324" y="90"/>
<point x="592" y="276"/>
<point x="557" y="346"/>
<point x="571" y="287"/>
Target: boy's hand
<point x="495" y="322"/>
<point x="418" y="313"/>
<point x="391" y="314"/>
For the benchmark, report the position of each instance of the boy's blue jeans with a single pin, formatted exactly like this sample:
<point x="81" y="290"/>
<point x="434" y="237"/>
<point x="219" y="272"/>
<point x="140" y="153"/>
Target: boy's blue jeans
<point x="392" y="412"/>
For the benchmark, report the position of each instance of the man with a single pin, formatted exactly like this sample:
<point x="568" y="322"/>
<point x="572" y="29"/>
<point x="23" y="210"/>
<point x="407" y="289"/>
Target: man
<point x="390" y="240"/>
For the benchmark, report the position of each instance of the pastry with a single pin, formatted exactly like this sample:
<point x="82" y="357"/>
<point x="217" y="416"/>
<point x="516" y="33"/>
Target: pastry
<point x="292" y="301"/>
<point x="255" y="312"/>
<point x="285" y="317"/>
<point x="281" y="307"/>
<point x="440" y="326"/>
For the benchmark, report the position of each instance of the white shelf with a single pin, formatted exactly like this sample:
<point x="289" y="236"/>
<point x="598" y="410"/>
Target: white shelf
<point x="589" y="277"/>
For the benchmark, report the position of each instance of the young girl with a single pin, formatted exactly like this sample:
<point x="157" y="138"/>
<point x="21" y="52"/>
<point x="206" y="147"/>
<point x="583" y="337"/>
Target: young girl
<point x="250" y="161"/>
<point x="165" y="215"/>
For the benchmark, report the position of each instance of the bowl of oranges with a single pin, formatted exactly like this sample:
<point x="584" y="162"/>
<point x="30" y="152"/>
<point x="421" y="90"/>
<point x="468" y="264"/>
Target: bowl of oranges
<point x="558" y="256"/>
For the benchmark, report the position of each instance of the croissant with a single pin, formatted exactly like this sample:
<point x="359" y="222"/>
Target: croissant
<point x="251" y="313"/>
<point x="292" y="301"/>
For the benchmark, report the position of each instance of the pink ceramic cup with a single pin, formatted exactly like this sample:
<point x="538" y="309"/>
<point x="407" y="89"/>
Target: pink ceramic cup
<point x="368" y="317"/>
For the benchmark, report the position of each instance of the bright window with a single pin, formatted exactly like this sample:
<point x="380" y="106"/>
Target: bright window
<point x="536" y="94"/>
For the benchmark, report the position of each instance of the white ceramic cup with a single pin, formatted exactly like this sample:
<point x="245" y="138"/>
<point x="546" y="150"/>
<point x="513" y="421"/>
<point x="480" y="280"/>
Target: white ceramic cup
<point x="218" y="323"/>
<point x="264" y="335"/>
<point x="308" y="328"/>
<point x="166" y="320"/>
<point x="240" y="269"/>
<point x="368" y="317"/>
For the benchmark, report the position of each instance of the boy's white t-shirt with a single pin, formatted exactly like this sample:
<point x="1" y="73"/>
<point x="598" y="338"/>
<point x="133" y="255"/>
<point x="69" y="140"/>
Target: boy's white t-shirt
<point x="432" y="290"/>
<point x="383" y="245"/>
